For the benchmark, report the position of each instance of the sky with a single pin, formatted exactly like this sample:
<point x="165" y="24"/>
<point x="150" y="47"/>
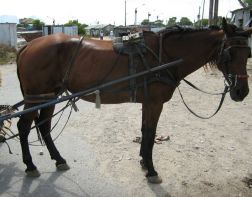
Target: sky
<point x="93" y="12"/>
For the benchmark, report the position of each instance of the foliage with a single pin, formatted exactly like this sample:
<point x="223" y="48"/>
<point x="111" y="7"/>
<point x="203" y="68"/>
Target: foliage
<point x="248" y="2"/>
<point x="81" y="27"/>
<point x="37" y="24"/>
<point x="158" y="23"/>
<point x="201" y="23"/>
<point x="172" y="21"/>
<point x="7" y="54"/>
<point x="145" y="22"/>
<point x="184" y="21"/>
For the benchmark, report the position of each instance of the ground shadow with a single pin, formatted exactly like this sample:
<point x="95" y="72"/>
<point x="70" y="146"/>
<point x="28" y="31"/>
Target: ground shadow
<point x="159" y="190"/>
<point x="14" y="182"/>
<point x="6" y="174"/>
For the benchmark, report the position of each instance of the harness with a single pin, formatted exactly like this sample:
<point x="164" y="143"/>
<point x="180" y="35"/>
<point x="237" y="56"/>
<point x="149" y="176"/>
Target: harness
<point x="138" y="48"/>
<point x="133" y="46"/>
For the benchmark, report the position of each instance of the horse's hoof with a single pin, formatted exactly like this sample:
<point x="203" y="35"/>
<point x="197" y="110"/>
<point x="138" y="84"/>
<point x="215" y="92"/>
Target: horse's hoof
<point x="154" y="179"/>
<point x="32" y="173"/>
<point x="63" y="167"/>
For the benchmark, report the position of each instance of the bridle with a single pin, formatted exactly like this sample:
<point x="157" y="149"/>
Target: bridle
<point x="224" y="58"/>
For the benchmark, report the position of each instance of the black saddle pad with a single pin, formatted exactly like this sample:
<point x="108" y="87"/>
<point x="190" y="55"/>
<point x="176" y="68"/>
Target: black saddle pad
<point x="130" y="44"/>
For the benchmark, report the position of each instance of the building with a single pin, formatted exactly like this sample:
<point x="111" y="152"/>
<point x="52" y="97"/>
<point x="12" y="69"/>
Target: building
<point x="53" y="29"/>
<point x="242" y="17"/>
<point x="8" y="34"/>
<point x="121" y="30"/>
<point x="47" y="30"/>
<point x="94" y="30"/>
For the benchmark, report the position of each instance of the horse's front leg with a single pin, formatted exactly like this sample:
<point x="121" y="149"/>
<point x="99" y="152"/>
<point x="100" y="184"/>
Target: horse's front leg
<point x="24" y="126"/>
<point x="150" y="116"/>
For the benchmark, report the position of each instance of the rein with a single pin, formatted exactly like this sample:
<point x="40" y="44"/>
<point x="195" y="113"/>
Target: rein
<point x="225" y="91"/>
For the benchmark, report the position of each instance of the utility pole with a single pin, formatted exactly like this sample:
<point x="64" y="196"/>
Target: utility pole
<point x="199" y="14"/>
<point x="213" y="12"/>
<point x="125" y="13"/>
<point x="149" y="16"/>
<point x="203" y="11"/>
<point x="135" y="16"/>
<point x="216" y="7"/>
<point x="210" y="18"/>
<point x="242" y="3"/>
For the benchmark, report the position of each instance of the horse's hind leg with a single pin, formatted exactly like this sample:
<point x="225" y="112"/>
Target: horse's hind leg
<point x="45" y="128"/>
<point x="24" y="126"/>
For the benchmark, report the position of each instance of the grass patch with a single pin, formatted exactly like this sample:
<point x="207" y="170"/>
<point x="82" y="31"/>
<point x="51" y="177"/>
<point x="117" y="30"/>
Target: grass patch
<point x="7" y="54"/>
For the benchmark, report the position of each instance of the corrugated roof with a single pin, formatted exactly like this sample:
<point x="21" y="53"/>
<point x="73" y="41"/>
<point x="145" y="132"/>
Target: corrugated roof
<point x="99" y="26"/>
<point x="240" y="9"/>
<point x="8" y="19"/>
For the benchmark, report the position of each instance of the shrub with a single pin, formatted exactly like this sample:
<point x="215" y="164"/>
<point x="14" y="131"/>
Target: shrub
<point x="7" y="54"/>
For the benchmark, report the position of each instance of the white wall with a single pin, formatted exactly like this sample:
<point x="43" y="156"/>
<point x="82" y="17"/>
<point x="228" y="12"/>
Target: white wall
<point x="69" y="30"/>
<point x="8" y="34"/>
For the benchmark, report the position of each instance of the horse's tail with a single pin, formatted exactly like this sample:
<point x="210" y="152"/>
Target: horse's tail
<point x="17" y="61"/>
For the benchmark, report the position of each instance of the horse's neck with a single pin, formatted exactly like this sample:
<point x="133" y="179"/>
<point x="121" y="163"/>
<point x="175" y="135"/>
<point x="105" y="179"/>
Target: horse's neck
<point x="199" y="51"/>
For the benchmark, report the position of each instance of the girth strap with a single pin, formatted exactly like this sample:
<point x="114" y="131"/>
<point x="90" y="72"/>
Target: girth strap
<point x="39" y="98"/>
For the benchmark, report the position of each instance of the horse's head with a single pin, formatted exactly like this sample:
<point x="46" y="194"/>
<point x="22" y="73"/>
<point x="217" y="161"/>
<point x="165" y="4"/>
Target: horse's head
<point x="233" y="60"/>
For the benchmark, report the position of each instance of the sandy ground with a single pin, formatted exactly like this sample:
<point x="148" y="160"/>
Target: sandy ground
<point x="202" y="158"/>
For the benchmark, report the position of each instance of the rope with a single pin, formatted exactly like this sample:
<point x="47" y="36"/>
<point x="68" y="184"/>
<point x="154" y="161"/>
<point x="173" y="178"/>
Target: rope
<point x="40" y="123"/>
<point x="54" y="126"/>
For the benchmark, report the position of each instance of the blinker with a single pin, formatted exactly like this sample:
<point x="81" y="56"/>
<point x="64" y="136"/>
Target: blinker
<point x="226" y="55"/>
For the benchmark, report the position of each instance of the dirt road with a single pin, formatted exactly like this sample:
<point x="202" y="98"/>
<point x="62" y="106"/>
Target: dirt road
<point x="203" y="157"/>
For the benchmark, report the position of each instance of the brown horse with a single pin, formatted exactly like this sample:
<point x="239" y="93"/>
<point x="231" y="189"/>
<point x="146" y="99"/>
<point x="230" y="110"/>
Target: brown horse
<point x="50" y="65"/>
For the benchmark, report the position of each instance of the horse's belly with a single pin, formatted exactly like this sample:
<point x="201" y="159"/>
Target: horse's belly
<point x="107" y="98"/>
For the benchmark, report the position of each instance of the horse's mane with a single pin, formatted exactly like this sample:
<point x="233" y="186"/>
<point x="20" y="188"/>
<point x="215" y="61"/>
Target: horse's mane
<point x="177" y="29"/>
<point x="180" y="30"/>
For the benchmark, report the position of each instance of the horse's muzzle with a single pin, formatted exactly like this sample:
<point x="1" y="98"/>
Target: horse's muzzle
<point x="238" y="93"/>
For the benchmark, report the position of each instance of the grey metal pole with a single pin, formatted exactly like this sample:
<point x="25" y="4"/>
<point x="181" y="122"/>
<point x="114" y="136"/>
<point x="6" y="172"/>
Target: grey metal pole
<point x="125" y="13"/>
<point x="216" y="7"/>
<point x="91" y="90"/>
<point x="210" y="18"/>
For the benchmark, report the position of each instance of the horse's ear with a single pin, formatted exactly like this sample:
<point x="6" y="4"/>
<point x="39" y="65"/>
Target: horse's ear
<point x="224" y="24"/>
<point x="229" y="29"/>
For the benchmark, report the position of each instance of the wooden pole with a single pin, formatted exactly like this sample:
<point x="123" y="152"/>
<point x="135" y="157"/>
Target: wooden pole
<point x="125" y="13"/>
<point x="210" y="18"/>
<point x="92" y="89"/>
<point x="216" y="7"/>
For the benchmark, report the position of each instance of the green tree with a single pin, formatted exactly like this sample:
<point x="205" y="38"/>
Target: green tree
<point x="248" y="2"/>
<point x="172" y="21"/>
<point x="37" y="24"/>
<point x="204" y="22"/>
<point x="184" y="21"/>
<point x="81" y="27"/>
<point x="145" y="22"/>
<point x="159" y="23"/>
<point x="201" y="23"/>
